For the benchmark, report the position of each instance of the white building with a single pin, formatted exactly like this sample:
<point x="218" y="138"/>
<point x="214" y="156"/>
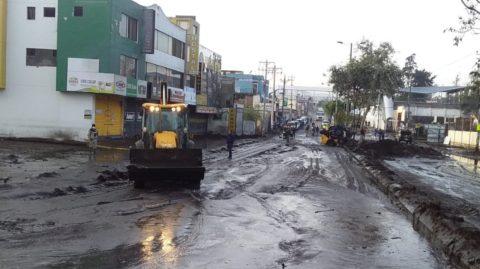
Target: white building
<point x="30" y="105"/>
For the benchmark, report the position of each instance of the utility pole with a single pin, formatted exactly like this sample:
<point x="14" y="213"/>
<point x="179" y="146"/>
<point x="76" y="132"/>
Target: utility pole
<point x="265" y="84"/>
<point x="274" y="101"/>
<point x="283" y="94"/>
<point x="291" y="78"/>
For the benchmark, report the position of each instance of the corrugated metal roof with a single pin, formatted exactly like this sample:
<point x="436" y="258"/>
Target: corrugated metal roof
<point x="433" y="89"/>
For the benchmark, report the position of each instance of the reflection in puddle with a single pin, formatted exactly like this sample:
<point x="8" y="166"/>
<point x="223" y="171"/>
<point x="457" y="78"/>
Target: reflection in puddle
<point x="469" y="164"/>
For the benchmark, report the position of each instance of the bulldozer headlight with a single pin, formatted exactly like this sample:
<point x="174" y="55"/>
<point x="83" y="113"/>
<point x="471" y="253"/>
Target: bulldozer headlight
<point x="157" y="109"/>
<point x="178" y="108"/>
<point x="173" y="109"/>
<point x="152" y="108"/>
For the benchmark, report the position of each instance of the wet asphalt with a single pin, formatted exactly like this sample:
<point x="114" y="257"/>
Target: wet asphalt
<point x="300" y="206"/>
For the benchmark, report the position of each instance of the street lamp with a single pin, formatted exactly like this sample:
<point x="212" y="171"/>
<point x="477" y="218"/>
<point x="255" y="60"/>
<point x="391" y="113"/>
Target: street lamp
<point x="336" y="102"/>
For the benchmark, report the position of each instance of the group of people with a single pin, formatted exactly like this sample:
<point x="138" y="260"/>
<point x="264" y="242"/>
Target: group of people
<point x="315" y="129"/>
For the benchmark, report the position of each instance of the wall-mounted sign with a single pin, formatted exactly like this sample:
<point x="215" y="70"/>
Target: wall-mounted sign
<point x="198" y="84"/>
<point x="149" y="30"/>
<point x="87" y="114"/>
<point x="232" y="119"/>
<point x="129" y="116"/>
<point x="206" y="110"/>
<point x="141" y="89"/>
<point x="190" y="96"/>
<point x="120" y="85"/>
<point x="192" y="65"/>
<point x="90" y="82"/>
<point x="176" y="95"/>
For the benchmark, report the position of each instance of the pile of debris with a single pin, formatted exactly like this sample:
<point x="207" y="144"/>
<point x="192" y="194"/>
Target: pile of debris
<point x="391" y="148"/>
<point x="108" y="175"/>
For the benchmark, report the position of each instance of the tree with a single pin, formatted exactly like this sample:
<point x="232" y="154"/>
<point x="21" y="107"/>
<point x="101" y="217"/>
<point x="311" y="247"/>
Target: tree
<point x="342" y="117"/>
<point x="457" y="80"/>
<point x="329" y="108"/>
<point x="470" y="97"/>
<point x="409" y="74"/>
<point x="467" y="24"/>
<point x="422" y="78"/>
<point x="252" y="113"/>
<point x="362" y="80"/>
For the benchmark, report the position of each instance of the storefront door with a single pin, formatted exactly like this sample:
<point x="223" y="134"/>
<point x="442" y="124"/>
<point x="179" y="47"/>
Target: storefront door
<point x="109" y="115"/>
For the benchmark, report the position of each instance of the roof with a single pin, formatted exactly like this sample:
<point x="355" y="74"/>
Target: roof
<point x="433" y="89"/>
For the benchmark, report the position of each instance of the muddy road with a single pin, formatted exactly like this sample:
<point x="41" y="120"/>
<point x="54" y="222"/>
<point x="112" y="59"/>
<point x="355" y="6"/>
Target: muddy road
<point x="303" y="206"/>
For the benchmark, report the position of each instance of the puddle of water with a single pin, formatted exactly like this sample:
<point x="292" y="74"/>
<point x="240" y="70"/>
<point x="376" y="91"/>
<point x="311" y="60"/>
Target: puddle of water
<point x="469" y="164"/>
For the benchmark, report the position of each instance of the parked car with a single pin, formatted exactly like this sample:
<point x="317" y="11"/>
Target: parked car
<point x="325" y="122"/>
<point x="405" y="135"/>
<point x="295" y="124"/>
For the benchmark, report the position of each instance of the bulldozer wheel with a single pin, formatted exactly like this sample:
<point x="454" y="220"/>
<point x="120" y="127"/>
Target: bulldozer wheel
<point x="137" y="184"/>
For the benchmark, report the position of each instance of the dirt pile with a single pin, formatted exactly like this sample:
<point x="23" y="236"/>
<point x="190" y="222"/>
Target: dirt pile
<point x="108" y="175"/>
<point x="391" y="148"/>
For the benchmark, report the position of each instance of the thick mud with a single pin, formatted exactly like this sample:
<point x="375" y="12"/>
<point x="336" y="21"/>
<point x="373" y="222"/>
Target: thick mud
<point x="272" y="206"/>
<point x="435" y="196"/>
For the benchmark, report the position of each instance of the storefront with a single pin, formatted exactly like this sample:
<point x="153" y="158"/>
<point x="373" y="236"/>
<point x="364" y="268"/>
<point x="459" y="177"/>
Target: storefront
<point x="109" y="115"/>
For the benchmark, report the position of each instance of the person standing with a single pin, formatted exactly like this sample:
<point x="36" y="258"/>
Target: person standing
<point x="92" y="139"/>
<point x="306" y="130"/>
<point x="293" y="131"/>
<point x="230" y="140"/>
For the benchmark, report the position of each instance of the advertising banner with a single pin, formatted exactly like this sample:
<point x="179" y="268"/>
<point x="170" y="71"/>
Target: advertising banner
<point x="141" y="89"/>
<point x="129" y="116"/>
<point x="176" y="95"/>
<point x="206" y="110"/>
<point x="131" y="87"/>
<point x="201" y="100"/>
<point x="149" y="30"/>
<point x="90" y="82"/>
<point x="232" y="119"/>
<point x="194" y="43"/>
<point x="120" y="87"/>
<point x="190" y="96"/>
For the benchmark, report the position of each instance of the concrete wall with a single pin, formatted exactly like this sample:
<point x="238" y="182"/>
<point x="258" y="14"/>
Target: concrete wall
<point x="30" y="105"/>
<point x="218" y="126"/>
<point x="249" y="127"/>
<point x="463" y="139"/>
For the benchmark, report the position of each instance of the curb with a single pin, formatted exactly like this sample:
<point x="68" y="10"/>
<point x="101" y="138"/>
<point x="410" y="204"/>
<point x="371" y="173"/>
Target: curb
<point x="453" y="238"/>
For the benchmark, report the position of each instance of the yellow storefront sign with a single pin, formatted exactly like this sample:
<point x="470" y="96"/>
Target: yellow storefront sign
<point x="194" y="44"/>
<point x="232" y="119"/>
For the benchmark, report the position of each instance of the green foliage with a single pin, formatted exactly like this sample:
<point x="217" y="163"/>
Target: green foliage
<point x="470" y="97"/>
<point x="422" y="78"/>
<point x="342" y="117"/>
<point x="329" y="107"/>
<point x="252" y="113"/>
<point x="466" y="24"/>
<point x="373" y="73"/>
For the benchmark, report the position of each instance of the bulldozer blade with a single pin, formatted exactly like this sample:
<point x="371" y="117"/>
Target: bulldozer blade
<point x="172" y="165"/>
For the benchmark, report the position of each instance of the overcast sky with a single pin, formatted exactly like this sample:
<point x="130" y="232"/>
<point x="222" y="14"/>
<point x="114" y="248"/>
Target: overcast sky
<point x="301" y="36"/>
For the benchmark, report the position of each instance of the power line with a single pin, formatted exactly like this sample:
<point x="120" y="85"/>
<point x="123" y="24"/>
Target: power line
<point x="470" y="54"/>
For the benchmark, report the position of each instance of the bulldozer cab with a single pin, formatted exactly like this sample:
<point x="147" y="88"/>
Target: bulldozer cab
<point x="167" y="119"/>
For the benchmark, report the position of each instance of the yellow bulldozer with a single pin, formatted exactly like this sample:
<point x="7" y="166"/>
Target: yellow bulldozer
<point x="165" y="152"/>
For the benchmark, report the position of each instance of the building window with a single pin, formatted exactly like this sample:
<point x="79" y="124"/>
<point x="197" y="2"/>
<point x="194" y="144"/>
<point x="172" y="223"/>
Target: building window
<point x="31" y="13"/>
<point x="49" y="12"/>
<point x="41" y="57"/>
<point x="128" y="27"/>
<point x="178" y="48"/>
<point x="190" y="81"/>
<point x="78" y="11"/>
<point x="175" y="79"/>
<point x="195" y="30"/>
<point x="162" y="42"/>
<point x="128" y="67"/>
